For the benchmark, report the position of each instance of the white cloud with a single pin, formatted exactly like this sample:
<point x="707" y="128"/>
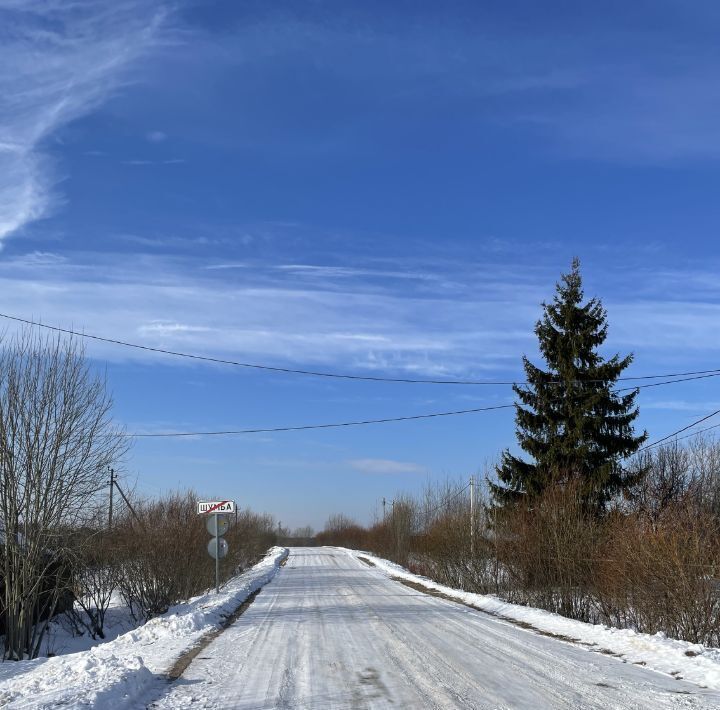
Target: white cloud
<point x="222" y="267"/>
<point x="156" y="136"/>
<point x="170" y="328"/>
<point x="170" y="161"/>
<point x="58" y="61"/>
<point x="270" y="316"/>
<point x="267" y="315"/>
<point x="385" y="466"/>
<point x="673" y="326"/>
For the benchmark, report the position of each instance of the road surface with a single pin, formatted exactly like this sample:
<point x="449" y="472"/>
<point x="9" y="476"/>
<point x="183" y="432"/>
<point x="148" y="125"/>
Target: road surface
<point x="331" y="632"/>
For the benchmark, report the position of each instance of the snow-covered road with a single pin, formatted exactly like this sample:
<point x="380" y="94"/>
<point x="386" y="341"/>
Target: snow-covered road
<point x="331" y="632"/>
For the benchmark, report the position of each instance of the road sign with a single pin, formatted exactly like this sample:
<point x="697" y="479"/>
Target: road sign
<point x="219" y="544"/>
<point x="215" y="506"/>
<point x="217" y="525"/>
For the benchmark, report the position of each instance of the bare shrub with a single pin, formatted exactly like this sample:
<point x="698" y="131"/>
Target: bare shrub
<point x="453" y="547"/>
<point x="403" y="527"/>
<point x="663" y="577"/>
<point x="443" y="551"/>
<point x="96" y="575"/>
<point x="379" y="539"/>
<point x="547" y="551"/>
<point x="343" y="531"/>
<point x="163" y="557"/>
<point x="248" y="539"/>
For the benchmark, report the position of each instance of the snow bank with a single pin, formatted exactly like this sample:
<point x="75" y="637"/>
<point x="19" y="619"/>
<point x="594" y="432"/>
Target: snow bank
<point x="680" y="659"/>
<point x="116" y="674"/>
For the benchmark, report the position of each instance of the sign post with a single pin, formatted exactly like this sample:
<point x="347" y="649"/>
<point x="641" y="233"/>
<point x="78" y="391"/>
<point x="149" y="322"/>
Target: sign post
<point x="217" y="525"/>
<point x="217" y="556"/>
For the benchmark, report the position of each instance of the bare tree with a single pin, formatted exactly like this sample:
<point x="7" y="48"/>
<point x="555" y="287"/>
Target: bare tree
<point x="339" y="522"/>
<point x="663" y="477"/>
<point x="56" y="443"/>
<point x="306" y="531"/>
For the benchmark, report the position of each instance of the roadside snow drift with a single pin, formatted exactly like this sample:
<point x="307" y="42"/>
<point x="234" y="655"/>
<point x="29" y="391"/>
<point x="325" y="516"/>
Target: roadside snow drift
<point x="680" y="659"/>
<point x="116" y="674"/>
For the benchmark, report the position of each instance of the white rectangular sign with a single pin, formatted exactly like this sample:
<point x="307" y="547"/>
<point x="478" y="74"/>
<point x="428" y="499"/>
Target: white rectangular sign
<point x="215" y="506"/>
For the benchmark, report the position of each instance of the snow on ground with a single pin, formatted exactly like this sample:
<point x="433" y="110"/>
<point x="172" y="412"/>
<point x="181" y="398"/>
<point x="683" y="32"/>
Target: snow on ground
<point x="681" y="659"/>
<point x="61" y="639"/>
<point x="116" y="673"/>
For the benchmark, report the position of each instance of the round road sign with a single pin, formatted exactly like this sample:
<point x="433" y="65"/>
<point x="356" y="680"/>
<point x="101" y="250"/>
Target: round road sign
<point x="222" y="547"/>
<point x="222" y="524"/>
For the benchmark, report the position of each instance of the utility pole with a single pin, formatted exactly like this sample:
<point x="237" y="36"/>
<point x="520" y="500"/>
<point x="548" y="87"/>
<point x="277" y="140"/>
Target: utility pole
<point x="128" y="504"/>
<point x="383" y="508"/>
<point x="472" y="516"/>
<point x="495" y="543"/>
<point x="396" y="533"/>
<point x="112" y="486"/>
<point x="217" y="554"/>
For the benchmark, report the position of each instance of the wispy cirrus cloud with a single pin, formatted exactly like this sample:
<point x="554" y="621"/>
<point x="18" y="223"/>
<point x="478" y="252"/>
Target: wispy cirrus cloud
<point x="169" y="161"/>
<point x="58" y="61"/>
<point x="385" y="466"/>
<point x="156" y="136"/>
<point x="260" y="313"/>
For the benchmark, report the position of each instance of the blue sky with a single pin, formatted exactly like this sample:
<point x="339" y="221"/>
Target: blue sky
<point x="375" y="188"/>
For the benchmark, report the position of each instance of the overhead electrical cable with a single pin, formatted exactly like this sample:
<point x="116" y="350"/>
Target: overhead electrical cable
<point x="680" y="431"/>
<point x="314" y="426"/>
<point x="338" y="375"/>
<point x="666" y="382"/>
<point x="678" y="377"/>
<point x="694" y="433"/>
<point x="428" y="513"/>
<point x="365" y="422"/>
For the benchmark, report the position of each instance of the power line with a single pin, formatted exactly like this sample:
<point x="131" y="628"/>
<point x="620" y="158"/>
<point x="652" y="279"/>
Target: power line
<point x="685" y="377"/>
<point x="680" y="431"/>
<point x="385" y="420"/>
<point x="316" y="426"/>
<point x="667" y="382"/>
<point x="696" y="433"/>
<point x="256" y="366"/>
<point x="428" y="513"/>
<point x="336" y="375"/>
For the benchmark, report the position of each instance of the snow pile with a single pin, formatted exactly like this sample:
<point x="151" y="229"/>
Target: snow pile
<point x="119" y="672"/>
<point x="680" y="659"/>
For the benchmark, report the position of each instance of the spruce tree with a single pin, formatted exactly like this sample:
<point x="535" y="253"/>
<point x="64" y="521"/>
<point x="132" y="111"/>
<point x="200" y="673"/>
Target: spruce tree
<point x="568" y="418"/>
